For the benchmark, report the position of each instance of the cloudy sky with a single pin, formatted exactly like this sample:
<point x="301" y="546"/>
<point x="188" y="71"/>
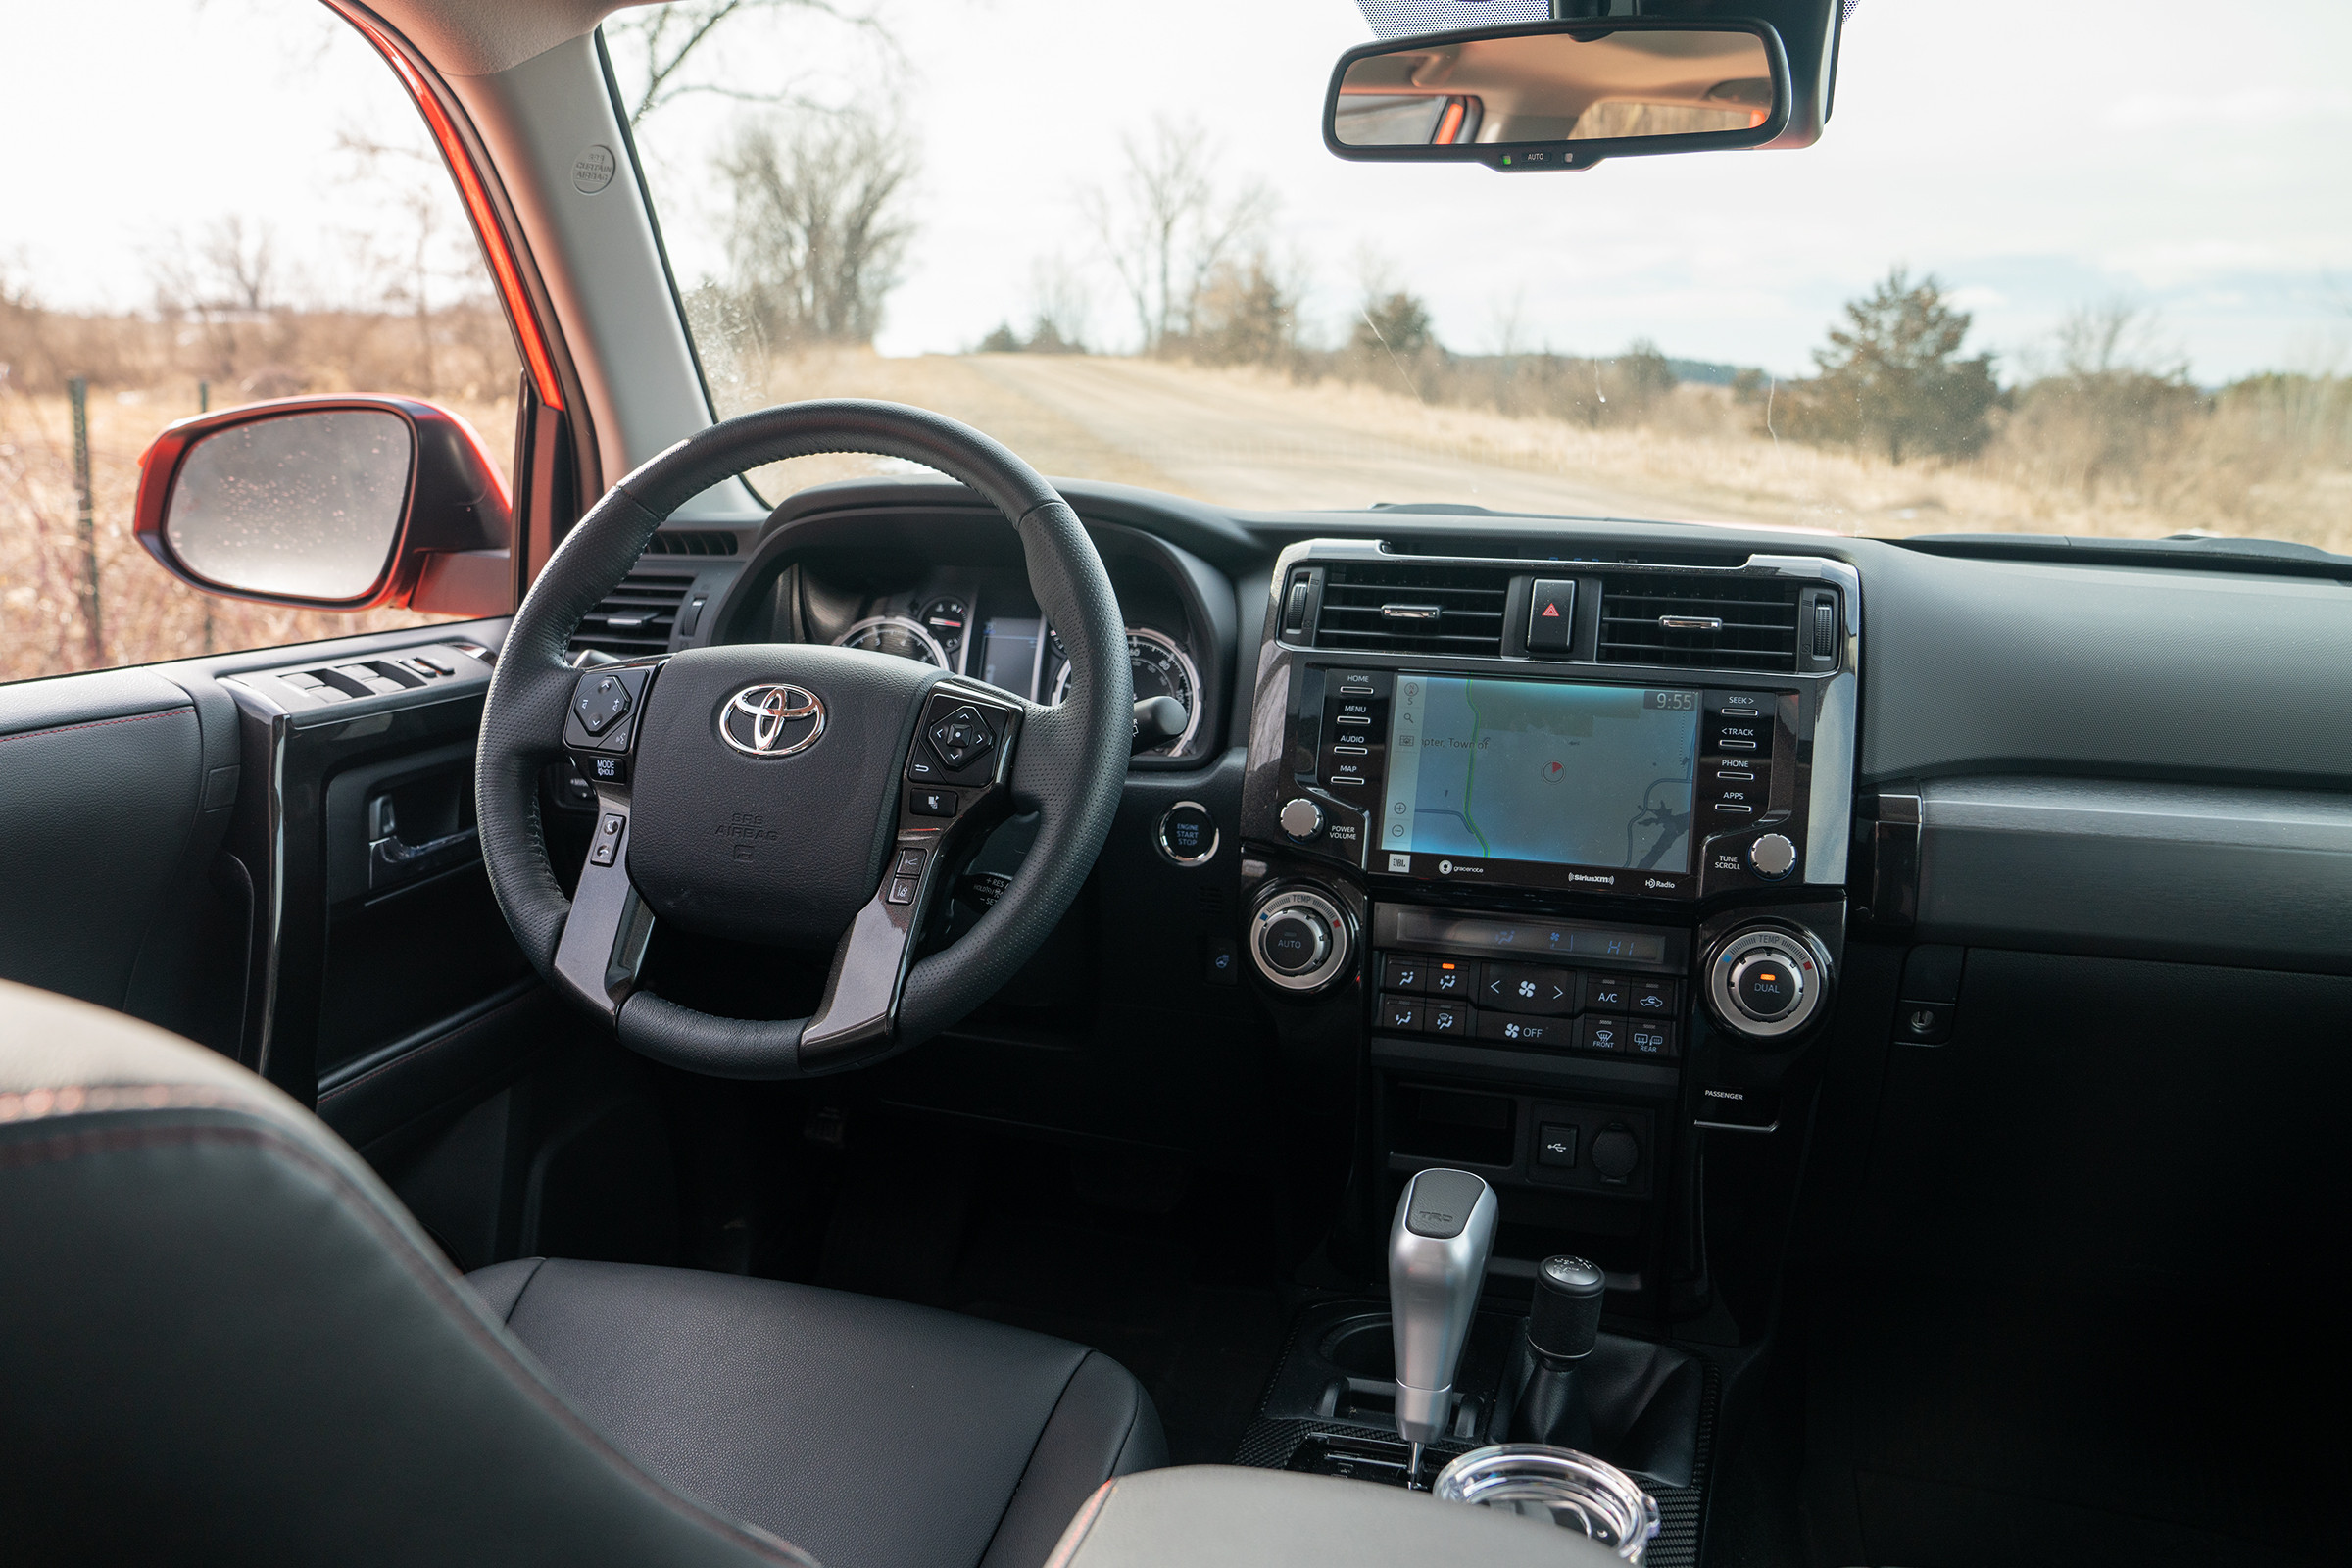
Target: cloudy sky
<point x="2034" y="158"/>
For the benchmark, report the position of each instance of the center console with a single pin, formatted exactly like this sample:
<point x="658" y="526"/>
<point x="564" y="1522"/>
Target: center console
<point x="1566" y="843"/>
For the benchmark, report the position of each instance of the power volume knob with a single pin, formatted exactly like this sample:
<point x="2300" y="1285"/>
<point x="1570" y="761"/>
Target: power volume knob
<point x="1301" y="818"/>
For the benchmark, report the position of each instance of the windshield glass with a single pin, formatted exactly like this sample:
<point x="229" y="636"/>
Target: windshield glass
<point x="2074" y="279"/>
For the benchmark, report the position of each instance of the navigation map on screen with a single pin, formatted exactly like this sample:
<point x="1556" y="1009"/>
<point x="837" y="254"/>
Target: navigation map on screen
<point x="1529" y="770"/>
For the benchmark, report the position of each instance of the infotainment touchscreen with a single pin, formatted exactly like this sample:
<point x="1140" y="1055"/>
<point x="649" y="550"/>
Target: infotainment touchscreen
<point x="1506" y="780"/>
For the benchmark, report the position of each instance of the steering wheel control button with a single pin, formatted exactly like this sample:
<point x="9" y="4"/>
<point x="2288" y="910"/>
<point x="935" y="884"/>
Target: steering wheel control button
<point x="908" y="863"/>
<point x="605" y="769"/>
<point x="1772" y="857"/>
<point x="961" y="737"/>
<point x="901" y="889"/>
<point x="1302" y="820"/>
<point x="602" y="702"/>
<point x="608" y="839"/>
<point x="1551" y="616"/>
<point x="930" y="802"/>
<point x="1187" y="834"/>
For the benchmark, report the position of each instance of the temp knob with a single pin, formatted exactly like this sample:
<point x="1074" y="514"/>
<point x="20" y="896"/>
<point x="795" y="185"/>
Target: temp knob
<point x="1293" y="943"/>
<point x="1766" y="983"/>
<point x="1300" y="939"/>
<point x="1772" y="857"/>
<point x="1301" y="818"/>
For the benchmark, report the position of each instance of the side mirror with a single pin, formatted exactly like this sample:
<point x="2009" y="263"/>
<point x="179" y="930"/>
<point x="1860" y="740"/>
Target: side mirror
<point x="1560" y="95"/>
<point x="331" y="503"/>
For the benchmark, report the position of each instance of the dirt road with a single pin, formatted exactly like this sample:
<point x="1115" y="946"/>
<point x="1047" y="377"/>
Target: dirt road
<point x="1251" y="445"/>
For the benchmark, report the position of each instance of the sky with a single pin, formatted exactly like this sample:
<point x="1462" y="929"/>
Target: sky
<point x="2034" y="159"/>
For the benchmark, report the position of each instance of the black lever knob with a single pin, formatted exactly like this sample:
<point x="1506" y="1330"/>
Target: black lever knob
<point x="1566" y="1320"/>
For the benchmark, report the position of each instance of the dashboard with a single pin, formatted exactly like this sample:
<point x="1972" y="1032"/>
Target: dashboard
<point x="1554" y="849"/>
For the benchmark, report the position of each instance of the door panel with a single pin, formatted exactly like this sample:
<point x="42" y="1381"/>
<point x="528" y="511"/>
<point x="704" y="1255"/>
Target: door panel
<point x="115" y="793"/>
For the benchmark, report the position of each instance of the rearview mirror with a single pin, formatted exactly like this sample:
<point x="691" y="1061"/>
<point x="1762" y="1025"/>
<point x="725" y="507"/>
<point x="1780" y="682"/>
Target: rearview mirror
<point x="1560" y="95"/>
<point x="331" y="502"/>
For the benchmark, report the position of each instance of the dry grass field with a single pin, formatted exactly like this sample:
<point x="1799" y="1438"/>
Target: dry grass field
<point x="1254" y="438"/>
<point x="1240" y="436"/>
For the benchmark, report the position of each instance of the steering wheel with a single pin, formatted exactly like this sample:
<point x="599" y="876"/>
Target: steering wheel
<point x="796" y="794"/>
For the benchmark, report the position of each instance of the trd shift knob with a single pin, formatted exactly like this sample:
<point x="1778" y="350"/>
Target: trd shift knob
<point x="1437" y="1261"/>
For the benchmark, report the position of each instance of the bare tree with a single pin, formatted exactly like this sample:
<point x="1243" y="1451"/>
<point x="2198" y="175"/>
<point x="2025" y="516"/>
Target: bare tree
<point x="818" y="230"/>
<point x="1169" y="225"/>
<point x="663" y="42"/>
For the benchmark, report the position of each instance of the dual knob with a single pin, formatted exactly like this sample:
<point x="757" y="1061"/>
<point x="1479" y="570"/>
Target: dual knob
<point x="1765" y="983"/>
<point x="1302" y="939"/>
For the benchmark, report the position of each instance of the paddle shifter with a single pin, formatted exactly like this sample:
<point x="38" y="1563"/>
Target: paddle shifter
<point x="1437" y="1261"/>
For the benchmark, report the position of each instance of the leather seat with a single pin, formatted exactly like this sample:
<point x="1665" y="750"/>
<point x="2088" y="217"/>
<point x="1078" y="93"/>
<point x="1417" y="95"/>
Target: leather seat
<point x="223" y="1339"/>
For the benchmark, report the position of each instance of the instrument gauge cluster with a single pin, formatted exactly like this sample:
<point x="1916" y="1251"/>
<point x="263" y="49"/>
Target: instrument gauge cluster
<point x="1161" y="668"/>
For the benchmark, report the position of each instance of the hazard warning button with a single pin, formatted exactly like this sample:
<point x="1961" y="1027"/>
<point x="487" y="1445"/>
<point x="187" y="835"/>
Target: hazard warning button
<point x="1551" y="616"/>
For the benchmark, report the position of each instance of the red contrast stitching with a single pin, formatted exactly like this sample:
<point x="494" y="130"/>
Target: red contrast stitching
<point x="67" y="729"/>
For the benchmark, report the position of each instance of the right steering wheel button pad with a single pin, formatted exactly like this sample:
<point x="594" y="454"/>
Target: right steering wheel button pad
<point x="960" y="741"/>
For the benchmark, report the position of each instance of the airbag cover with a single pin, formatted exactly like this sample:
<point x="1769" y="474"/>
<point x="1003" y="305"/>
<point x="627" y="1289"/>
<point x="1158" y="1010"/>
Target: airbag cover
<point x="777" y="849"/>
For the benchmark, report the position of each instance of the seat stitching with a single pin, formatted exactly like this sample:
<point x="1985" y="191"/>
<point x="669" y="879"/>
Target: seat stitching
<point x="1035" y="1444"/>
<point x="98" y="723"/>
<point x="61" y="1147"/>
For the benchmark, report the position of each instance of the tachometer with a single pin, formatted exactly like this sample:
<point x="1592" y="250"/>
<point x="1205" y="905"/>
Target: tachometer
<point x="1160" y="669"/>
<point x="896" y="634"/>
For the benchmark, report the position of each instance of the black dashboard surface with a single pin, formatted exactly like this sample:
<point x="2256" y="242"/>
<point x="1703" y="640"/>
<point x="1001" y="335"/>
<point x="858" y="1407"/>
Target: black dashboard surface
<point x="2208" y="692"/>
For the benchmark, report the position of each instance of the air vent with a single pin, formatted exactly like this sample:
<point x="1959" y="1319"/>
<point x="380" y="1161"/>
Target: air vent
<point x="1698" y="622"/>
<point x="1401" y="608"/>
<point x="691" y="542"/>
<point x="635" y="619"/>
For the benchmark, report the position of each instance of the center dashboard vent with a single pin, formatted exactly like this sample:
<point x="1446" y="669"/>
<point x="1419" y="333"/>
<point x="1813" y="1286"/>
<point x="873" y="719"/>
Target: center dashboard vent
<point x="1409" y="608"/>
<point x="636" y="619"/>
<point x="1700" y="621"/>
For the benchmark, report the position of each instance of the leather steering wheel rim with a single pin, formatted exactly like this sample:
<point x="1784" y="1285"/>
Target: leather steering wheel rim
<point x="1070" y="767"/>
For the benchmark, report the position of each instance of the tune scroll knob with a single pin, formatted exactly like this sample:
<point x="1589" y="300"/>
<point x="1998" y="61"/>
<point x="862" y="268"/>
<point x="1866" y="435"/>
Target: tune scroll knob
<point x="1302" y="939"/>
<point x="1767" y="983"/>
<point x="1772" y="857"/>
<point x="1302" y="820"/>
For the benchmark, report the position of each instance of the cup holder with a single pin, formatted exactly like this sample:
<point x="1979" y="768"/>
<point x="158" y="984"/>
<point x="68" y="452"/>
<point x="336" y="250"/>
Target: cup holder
<point x="1363" y="1348"/>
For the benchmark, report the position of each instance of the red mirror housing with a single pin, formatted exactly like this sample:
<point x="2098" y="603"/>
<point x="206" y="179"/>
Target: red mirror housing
<point x="448" y="551"/>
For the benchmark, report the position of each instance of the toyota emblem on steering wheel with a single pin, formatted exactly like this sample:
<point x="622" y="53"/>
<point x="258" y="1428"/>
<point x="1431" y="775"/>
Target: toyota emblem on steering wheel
<point x="772" y="720"/>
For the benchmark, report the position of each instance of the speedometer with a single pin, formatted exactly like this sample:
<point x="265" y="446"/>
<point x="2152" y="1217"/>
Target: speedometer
<point x="1160" y="669"/>
<point x="896" y="634"/>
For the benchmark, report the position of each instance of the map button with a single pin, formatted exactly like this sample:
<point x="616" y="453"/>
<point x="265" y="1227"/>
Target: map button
<point x="1524" y="988"/>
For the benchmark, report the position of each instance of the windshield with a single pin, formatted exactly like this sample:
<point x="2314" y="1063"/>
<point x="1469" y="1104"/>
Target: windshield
<point x="2071" y="279"/>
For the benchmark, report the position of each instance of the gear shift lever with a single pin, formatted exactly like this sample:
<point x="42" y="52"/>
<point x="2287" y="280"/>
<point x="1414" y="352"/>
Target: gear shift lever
<point x="1437" y="1261"/>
